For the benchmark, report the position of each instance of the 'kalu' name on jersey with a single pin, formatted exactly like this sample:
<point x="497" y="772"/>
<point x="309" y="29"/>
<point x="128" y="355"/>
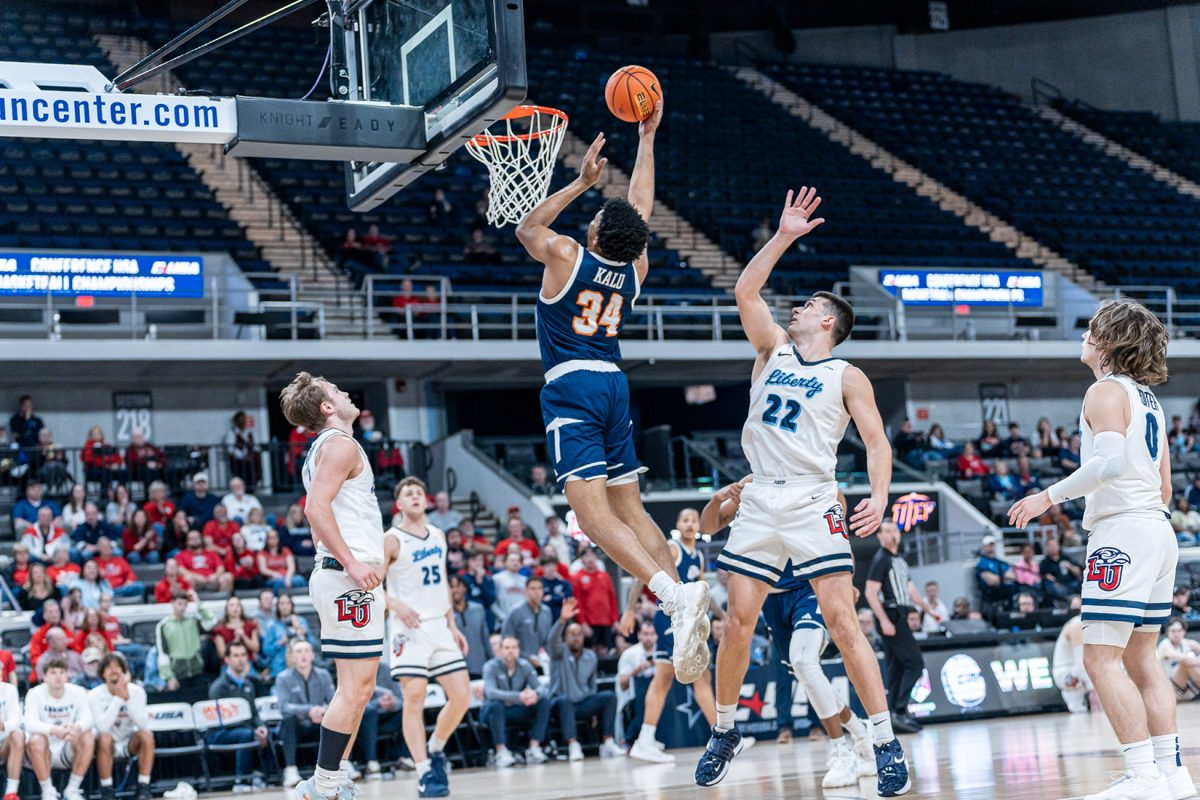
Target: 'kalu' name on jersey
<point x="583" y="321"/>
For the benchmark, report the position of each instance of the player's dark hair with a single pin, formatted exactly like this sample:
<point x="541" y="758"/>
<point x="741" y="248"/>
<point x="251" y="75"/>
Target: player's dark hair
<point x="229" y="649"/>
<point x="535" y="579"/>
<point x="55" y="663"/>
<point x="112" y="659"/>
<point x="841" y="309"/>
<point x="411" y="480"/>
<point x="622" y="234"/>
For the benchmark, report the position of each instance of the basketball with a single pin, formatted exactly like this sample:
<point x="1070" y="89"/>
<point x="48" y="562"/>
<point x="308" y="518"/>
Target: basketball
<point x="632" y="93"/>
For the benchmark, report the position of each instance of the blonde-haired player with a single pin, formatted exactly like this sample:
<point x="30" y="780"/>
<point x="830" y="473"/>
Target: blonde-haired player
<point x="1125" y="476"/>
<point x="424" y="639"/>
<point x="345" y="589"/>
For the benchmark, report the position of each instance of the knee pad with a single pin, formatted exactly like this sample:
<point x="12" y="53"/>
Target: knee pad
<point x="805" y="658"/>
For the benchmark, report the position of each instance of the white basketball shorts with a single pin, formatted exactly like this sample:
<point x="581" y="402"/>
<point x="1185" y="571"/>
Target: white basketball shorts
<point x="352" y="619"/>
<point x="425" y="652"/>
<point x="1128" y="579"/>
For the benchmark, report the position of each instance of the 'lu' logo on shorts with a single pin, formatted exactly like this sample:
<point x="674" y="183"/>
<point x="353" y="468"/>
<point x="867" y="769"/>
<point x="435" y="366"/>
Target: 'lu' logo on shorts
<point x="1105" y="567"/>
<point x="354" y="607"/>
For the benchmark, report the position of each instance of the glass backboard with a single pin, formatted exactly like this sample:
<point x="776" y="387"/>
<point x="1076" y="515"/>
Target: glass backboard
<point x="462" y="62"/>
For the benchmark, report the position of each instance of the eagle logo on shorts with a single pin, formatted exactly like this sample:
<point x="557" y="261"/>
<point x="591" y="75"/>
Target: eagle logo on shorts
<point x="836" y="520"/>
<point x="355" y="607"/>
<point x="1105" y="567"/>
<point x="398" y="642"/>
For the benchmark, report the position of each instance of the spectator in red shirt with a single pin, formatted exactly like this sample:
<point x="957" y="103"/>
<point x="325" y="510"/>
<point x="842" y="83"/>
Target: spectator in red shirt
<point x="598" y="611"/>
<point x="243" y="563"/>
<point x="406" y="298"/>
<point x="516" y="535"/>
<point x="8" y="667"/>
<point x="18" y="571"/>
<point x="219" y="531"/>
<point x="52" y="617"/>
<point x="62" y="571"/>
<point x="146" y="462"/>
<point x="117" y="572"/>
<point x="298" y="441"/>
<point x="102" y="461"/>
<point x="93" y="623"/>
<point x="379" y="245"/>
<point x="172" y="582"/>
<point x="235" y="627"/>
<point x="141" y="539"/>
<point x="204" y="567"/>
<point x="277" y="565"/>
<point x="159" y="508"/>
<point x="970" y="465"/>
<point x="44" y="537"/>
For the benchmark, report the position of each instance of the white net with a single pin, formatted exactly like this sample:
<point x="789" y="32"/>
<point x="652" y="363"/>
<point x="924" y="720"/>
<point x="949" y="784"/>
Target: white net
<point x="520" y="161"/>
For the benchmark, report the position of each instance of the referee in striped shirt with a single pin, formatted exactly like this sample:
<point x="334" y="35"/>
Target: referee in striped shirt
<point x="891" y="593"/>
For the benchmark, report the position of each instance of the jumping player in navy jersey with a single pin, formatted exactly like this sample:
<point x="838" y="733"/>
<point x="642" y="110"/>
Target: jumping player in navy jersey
<point x="587" y="292"/>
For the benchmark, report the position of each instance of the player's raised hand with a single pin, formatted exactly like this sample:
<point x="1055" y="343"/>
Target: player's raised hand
<point x="796" y="219"/>
<point x="868" y="515"/>
<point x="650" y="124"/>
<point x="1028" y="509"/>
<point x="592" y="166"/>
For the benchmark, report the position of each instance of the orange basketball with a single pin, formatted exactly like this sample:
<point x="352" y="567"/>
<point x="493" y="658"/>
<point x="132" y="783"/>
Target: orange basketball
<point x="632" y="93"/>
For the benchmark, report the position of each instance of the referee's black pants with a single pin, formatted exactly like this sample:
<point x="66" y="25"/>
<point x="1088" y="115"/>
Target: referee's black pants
<point x="904" y="660"/>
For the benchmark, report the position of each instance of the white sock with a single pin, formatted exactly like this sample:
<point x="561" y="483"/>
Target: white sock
<point x="12" y="786"/>
<point x="1139" y="758"/>
<point x="666" y="589"/>
<point x="1166" y="753"/>
<point x="422" y="768"/>
<point x="144" y="779"/>
<point x="47" y="786"/>
<point x="647" y="733"/>
<point x="856" y="726"/>
<point x="327" y="781"/>
<point x="75" y="782"/>
<point x="725" y="715"/>
<point x="436" y="745"/>
<point x="609" y="741"/>
<point x="106" y="781"/>
<point x="881" y="727"/>
<point x="839" y="743"/>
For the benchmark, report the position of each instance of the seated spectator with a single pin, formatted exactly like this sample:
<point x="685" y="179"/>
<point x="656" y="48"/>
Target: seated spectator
<point x="48" y="461"/>
<point x="72" y="605"/>
<point x="178" y="641"/>
<point x="1057" y="518"/>
<point x="265" y="611"/>
<point x="37" y="589"/>
<point x="510" y="586"/>
<point x="988" y="444"/>
<point x="481" y="588"/>
<point x="1026" y="603"/>
<point x="236" y="628"/>
<point x="354" y="259"/>
<point x="122" y="725"/>
<point x="441" y="210"/>
<point x="255" y="530"/>
<point x="1180" y="438"/>
<point x="970" y="465"/>
<point x="539" y="481"/>
<point x="1180" y="657"/>
<point x="516" y="535"/>
<point x="1181" y="604"/>
<point x="761" y="235"/>
<point x="102" y="461"/>
<point x="118" y="573"/>
<point x="43" y="537"/>
<point x="58" y="722"/>
<point x="304" y="692"/>
<point x="597" y="602"/>
<point x="574" y="687"/>
<point x="62" y="570"/>
<point x="929" y="622"/>
<point x="1061" y="577"/>
<point x="556" y="581"/>
<point x="295" y="532"/>
<point x="478" y="248"/>
<point x="134" y="652"/>
<point x="1068" y="455"/>
<point x="530" y="624"/>
<point x="203" y="567"/>
<point x="379" y="246"/>
<point x="962" y="608"/>
<point x="637" y="661"/>
<point x="909" y="445"/>
<point x="1026" y="477"/>
<point x="140" y="539"/>
<point x="174" y="536"/>
<point x="159" y="507"/>
<point x="1026" y="571"/>
<point x="556" y="537"/>
<point x="1186" y="521"/>
<point x="1047" y="443"/>
<point x="238" y="503"/>
<point x="277" y="565"/>
<point x="92" y="627"/>
<point x="58" y="649"/>
<point x="18" y="570"/>
<point x="1002" y="485"/>
<point x="471" y="621"/>
<point x="283" y="628"/>
<point x="219" y="531"/>
<point x="993" y="575"/>
<point x="940" y="444"/>
<point x="25" y="511"/>
<point x="172" y="582"/>
<point x="1070" y="675"/>
<point x="85" y="538"/>
<point x="242" y="563"/>
<point x="1193" y="492"/>
<point x="913" y="620"/>
<point x="146" y="462"/>
<point x="512" y="693"/>
<point x="52" y="617"/>
<point x="198" y="504"/>
<point x="1016" y="445"/>
<point x="472" y="540"/>
<point x="238" y="681"/>
<point x="72" y="511"/>
<point x="120" y="508"/>
<point x="443" y="515"/>
<point x="91" y="585"/>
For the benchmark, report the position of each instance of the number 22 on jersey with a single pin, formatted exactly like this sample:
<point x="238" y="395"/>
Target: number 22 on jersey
<point x="590" y="319"/>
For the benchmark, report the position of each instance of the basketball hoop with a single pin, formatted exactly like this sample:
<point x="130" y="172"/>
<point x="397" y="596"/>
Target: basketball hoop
<point x="520" y="160"/>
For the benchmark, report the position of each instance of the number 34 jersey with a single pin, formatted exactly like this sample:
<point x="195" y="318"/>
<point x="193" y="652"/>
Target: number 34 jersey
<point x="797" y="416"/>
<point x="1138" y="490"/>
<point x="418" y="576"/>
<point x="583" y="322"/>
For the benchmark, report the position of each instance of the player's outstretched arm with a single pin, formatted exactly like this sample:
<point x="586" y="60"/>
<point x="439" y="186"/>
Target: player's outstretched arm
<point x="859" y="397"/>
<point x="641" y="182"/>
<point x="557" y="252"/>
<point x="757" y="320"/>
<point x="337" y="460"/>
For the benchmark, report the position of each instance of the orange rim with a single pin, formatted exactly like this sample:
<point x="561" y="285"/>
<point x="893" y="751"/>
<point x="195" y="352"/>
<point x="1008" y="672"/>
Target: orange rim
<point x="484" y="139"/>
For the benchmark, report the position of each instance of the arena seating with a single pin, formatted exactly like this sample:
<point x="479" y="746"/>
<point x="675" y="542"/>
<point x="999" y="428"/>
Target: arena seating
<point x="1000" y="153"/>
<point x="726" y="156"/>
<point x="101" y="195"/>
<point x="1174" y="145"/>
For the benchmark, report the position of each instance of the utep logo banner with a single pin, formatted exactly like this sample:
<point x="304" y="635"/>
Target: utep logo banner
<point x="355" y="607"/>
<point x="911" y="510"/>
<point x="1106" y="565"/>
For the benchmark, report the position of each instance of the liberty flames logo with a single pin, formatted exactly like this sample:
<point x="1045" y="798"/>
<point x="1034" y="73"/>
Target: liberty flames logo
<point x="836" y="520"/>
<point x="355" y="607"/>
<point x="1105" y="567"/>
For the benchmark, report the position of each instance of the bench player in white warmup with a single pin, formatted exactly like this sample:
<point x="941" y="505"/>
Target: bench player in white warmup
<point x="12" y="739"/>
<point x="1125" y="478"/>
<point x="346" y="589"/>
<point x="424" y="640"/>
<point x="122" y="725"/>
<point x="58" y="724"/>
<point x="801" y="400"/>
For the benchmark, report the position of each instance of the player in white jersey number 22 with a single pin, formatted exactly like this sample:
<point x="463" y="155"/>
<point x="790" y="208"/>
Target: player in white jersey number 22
<point x="801" y="399"/>
<point x="1125" y="478"/>
<point x="345" y="587"/>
